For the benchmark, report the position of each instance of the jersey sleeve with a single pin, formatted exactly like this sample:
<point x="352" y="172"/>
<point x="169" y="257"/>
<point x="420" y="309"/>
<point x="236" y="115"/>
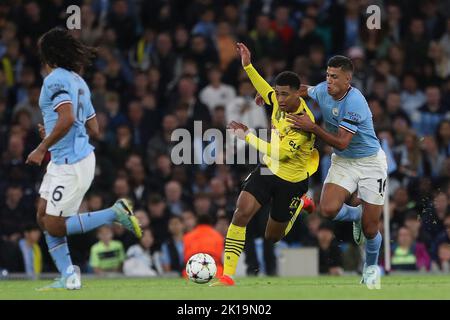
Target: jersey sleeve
<point x="90" y="112"/>
<point x="355" y="113"/>
<point x="286" y="149"/>
<point x="261" y="85"/>
<point x="58" y="90"/>
<point x="315" y="92"/>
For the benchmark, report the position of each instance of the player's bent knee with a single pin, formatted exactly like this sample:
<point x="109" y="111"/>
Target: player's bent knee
<point x="328" y="211"/>
<point x="55" y="227"/>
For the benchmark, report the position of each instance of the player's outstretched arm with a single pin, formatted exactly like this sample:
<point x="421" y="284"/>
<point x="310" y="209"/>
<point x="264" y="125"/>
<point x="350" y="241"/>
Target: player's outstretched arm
<point x="258" y="82"/>
<point x="304" y="90"/>
<point x="63" y="125"/>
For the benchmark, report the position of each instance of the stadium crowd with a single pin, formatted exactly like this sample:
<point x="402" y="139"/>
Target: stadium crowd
<point x="163" y="64"/>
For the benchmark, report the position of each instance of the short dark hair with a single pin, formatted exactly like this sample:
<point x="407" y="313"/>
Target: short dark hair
<point x="58" y="48"/>
<point x="204" y="219"/>
<point x="288" y="78"/>
<point x="342" y="62"/>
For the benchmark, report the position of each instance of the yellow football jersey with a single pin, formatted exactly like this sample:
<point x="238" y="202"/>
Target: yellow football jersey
<point x="290" y="154"/>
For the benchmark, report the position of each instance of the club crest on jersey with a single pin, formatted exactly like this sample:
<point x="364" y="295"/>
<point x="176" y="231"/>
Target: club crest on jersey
<point x="335" y="111"/>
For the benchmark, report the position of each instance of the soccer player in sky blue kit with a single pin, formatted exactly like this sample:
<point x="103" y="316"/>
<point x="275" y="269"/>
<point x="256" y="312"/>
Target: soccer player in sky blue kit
<point x="357" y="164"/>
<point x="65" y="102"/>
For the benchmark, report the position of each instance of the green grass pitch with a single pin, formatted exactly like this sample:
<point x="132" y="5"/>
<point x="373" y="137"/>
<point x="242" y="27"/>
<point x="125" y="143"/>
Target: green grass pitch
<point x="300" y="288"/>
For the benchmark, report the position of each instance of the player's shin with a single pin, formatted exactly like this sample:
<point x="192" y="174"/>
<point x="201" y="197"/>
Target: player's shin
<point x="372" y="249"/>
<point x="59" y="251"/>
<point x="85" y="222"/>
<point x="349" y="213"/>
<point x="234" y="245"/>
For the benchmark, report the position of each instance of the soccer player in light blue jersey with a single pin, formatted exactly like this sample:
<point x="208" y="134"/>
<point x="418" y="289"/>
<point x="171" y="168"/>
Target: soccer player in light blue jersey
<point x="65" y="102"/>
<point x="358" y="163"/>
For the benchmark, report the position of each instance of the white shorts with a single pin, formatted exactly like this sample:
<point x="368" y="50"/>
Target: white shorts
<point x="368" y="175"/>
<point x="64" y="186"/>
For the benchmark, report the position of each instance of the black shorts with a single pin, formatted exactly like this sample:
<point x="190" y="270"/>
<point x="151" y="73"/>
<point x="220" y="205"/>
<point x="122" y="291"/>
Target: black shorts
<point x="285" y="195"/>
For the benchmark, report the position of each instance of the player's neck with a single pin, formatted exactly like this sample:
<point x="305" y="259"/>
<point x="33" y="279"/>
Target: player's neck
<point x="342" y="95"/>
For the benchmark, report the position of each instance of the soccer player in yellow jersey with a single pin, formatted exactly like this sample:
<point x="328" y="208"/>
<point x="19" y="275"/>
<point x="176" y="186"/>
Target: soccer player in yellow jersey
<point x="289" y="160"/>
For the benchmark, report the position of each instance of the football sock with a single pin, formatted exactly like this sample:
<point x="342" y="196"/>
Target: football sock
<point x="293" y="218"/>
<point x="84" y="222"/>
<point x="373" y="249"/>
<point x="59" y="251"/>
<point x="349" y="213"/>
<point x="234" y="244"/>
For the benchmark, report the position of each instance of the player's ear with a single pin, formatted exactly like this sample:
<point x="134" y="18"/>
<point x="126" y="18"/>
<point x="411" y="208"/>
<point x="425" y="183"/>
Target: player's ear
<point x="349" y="77"/>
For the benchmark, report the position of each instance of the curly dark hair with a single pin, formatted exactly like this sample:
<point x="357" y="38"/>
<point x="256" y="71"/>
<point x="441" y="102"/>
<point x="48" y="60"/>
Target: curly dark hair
<point x="58" y="48"/>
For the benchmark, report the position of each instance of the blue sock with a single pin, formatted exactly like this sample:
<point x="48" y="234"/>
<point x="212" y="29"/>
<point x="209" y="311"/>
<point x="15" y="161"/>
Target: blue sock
<point x="58" y="249"/>
<point x="348" y="213"/>
<point x="373" y="249"/>
<point x="84" y="222"/>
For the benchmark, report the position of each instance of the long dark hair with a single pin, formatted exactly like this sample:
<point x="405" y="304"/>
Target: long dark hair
<point x="58" y="48"/>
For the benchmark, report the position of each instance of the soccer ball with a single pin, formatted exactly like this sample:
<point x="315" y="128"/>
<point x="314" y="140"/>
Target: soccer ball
<point x="201" y="268"/>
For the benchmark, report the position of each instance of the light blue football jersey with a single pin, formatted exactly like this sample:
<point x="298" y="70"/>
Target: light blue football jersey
<point x="63" y="86"/>
<point x="351" y="113"/>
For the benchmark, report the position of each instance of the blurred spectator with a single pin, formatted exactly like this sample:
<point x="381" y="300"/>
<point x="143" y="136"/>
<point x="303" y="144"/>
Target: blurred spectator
<point x="244" y="109"/>
<point x="142" y="259"/>
<point x="189" y="220"/>
<point x="161" y="143"/>
<point x="443" y="138"/>
<point x="173" y="193"/>
<point x="407" y="254"/>
<point x="416" y="44"/>
<point x="330" y="256"/>
<point x="31" y="252"/>
<point x="415" y="226"/>
<point x="411" y="96"/>
<point x="433" y="161"/>
<point x="281" y="25"/>
<point x="265" y="41"/>
<point x="204" y="239"/>
<point x="309" y="239"/>
<point x="31" y="104"/>
<point x="11" y="258"/>
<point x="226" y="45"/>
<point x="400" y="206"/>
<point x="123" y="24"/>
<point x="440" y="250"/>
<point x="107" y="255"/>
<point x="433" y="217"/>
<point x="172" y="250"/>
<point x="222" y="225"/>
<point x="14" y="213"/>
<point x="427" y="118"/>
<point x="159" y="218"/>
<point x="216" y="93"/>
<point x="410" y="157"/>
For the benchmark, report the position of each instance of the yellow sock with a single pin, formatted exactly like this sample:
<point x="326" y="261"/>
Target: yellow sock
<point x="293" y="218"/>
<point x="234" y="244"/>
